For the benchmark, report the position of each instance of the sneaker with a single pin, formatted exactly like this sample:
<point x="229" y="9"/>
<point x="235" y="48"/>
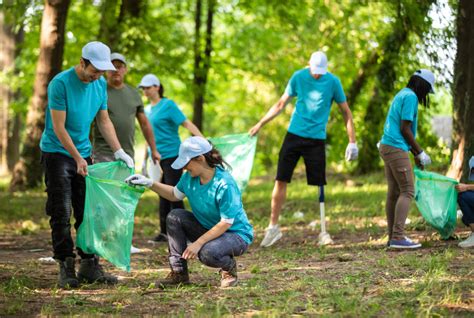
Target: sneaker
<point x="272" y="234"/>
<point x="469" y="242"/>
<point x="160" y="238"/>
<point x="174" y="278"/>
<point x="404" y="243"/>
<point x="229" y="278"/>
<point x="134" y="250"/>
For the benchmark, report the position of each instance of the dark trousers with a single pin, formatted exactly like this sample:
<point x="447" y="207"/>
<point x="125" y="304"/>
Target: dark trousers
<point x="183" y="226"/>
<point x="170" y="177"/>
<point x="66" y="193"/>
<point x="466" y="203"/>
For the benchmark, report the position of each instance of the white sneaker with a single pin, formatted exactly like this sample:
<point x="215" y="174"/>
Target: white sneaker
<point x="134" y="250"/>
<point x="272" y="234"/>
<point x="469" y="242"/>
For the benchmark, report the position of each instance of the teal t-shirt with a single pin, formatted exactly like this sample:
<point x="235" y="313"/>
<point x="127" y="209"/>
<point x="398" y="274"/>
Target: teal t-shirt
<point x="81" y="102"/>
<point x="404" y="107"/>
<point x="218" y="199"/>
<point x="313" y="105"/>
<point x="165" y="118"/>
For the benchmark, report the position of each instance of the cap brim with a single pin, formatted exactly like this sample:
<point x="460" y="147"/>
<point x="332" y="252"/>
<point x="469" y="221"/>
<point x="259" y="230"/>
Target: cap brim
<point x="179" y="163"/>
<point x="318" y="70"/>
<point x="103" y="66"/>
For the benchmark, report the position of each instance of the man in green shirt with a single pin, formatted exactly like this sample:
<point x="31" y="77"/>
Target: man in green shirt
<point x="124" y="105"/>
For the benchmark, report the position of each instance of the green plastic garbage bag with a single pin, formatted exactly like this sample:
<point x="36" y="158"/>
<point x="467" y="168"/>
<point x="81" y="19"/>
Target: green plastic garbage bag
<point x="238" y="151"/>
<point x="436" y="198"/>
<point x="107" y="227"/>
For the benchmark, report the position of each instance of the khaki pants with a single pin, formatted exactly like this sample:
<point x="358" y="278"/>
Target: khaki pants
<point x="401" y="189"/>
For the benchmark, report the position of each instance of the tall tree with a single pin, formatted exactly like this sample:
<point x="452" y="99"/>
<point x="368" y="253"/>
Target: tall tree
<point x="28" y="172"/>
<point x="463" y="92"/>
<point x="202" y="60"/>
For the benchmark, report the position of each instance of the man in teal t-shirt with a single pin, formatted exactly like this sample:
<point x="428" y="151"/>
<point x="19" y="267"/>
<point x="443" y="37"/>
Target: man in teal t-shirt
<point x="315" y="89"/>
<point x="75" y="97"/>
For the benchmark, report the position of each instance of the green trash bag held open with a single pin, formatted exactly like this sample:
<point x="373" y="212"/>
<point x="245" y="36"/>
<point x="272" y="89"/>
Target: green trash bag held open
<point x="436" y="198"/>
<point x="238" y="151"/>
<point x="107" y="227"/>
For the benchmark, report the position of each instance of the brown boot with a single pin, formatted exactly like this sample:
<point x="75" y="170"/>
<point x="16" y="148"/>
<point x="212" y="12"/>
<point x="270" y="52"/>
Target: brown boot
<point x="229" y="278"/>
<point x="174" y="278"/>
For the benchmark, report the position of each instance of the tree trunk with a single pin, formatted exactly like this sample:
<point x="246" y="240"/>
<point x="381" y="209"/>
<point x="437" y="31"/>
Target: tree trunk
<point x="202" y="61"/>
<point x="13" y="147"/>
<point x="463" y="93"/>
<point x="28" y="171"/>
<point x="366" y="70"/>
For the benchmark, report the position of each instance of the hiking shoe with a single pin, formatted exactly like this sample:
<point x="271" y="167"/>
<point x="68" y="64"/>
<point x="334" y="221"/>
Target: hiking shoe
<point x="160" y="238"/>
<point x="90" y="271"/>
<point x="272" y="234"/>
<point x="469" y="242"/>
<point x="174" y="278"/>
<point x="67" y="273"/>
<point x="404" y="243"/>
<point x="229" y="278"/>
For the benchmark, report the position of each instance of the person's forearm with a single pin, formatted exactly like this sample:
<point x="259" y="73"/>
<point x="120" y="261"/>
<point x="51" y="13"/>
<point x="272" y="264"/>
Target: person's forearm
<point x="410" y="139"/>
<point x="67" y="142"/>
<point x="165" y="191"/>
<point x="216" y="231"/>
<point x="148" y="134"/>
<point x="349" y="127"/>
<point x="189" y="125"/>
<point x="274" y="111"/>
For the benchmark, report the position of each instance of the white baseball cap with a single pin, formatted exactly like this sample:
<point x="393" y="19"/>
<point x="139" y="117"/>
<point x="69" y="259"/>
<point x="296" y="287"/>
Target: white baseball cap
<point x="99" y="55"/>
<point x="149" y="80"/>
<point x="428" y="76"/>
<point x="318" y="63"/>
<point x="189" y="149"/>
<point x="118" y="57"/>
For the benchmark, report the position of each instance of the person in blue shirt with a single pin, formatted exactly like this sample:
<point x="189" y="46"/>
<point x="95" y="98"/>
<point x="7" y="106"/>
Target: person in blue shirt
<point x="315" y="89"/>
<point x="398" y="139"/>
<point x="165" y="118"/>
<point x="218" y="227"/>
<point x="466" y="204"/>
<point x="75" y="98"/>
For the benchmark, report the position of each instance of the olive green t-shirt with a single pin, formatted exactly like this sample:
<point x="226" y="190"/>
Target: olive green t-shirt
<point x="123" y="106"/>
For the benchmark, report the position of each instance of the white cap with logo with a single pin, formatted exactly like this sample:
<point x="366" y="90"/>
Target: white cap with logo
<point x="189" y="149"/>
<point x="318" y="63"/>
<point x="428" y="76"/>
<point x="149" y="80"/>
<point x="99" y="55"/>
<point x="118" y="57"/>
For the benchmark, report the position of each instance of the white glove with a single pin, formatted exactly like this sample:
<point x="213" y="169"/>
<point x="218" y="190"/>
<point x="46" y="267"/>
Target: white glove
<point x="352" y="152"/>
<point x="423" y="158"/>
<point x="122" y="155"/>
<point x="138" y="179"/>
<point x="145" y="168"/>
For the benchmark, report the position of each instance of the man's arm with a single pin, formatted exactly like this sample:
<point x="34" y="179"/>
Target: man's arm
<point x="189" y="125"/>
<point x="274" y="111"/>
<point x="148" y="134"/>
<point x="59" y="121"/>
<point x="347" y="115"/>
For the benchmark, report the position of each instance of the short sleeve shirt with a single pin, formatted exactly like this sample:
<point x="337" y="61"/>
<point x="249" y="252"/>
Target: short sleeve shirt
<point x="404" y="107"/>
<point x="165" y="119"/>
<point x="313" y="104"/>
<point x="123" y="106"/>
<point x="219" y="199"/>
<point x="81" y="102"/>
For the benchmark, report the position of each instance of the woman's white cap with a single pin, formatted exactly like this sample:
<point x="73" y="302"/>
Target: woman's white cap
<point x="189" y="149"/>
<point x="149" y="80"/>
<point x="428" y="76"/>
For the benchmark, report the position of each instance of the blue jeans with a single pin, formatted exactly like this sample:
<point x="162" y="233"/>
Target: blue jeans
<point x="466" y="203"/>
<point x="182" y="226"/>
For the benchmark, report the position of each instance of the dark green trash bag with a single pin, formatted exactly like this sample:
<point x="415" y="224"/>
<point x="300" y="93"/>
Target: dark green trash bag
<point x="238" y="151"/>
<point x="107" y="228"/>
<point x="436" y="198"/>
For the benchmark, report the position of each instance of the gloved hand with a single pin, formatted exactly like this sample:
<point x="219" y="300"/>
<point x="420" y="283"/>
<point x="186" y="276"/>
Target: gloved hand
<point x="423" y="158"/>
<point x="138" y="179"/>
<point x="145" y="168"/>
<point x="352" y="152"/>
<point x="122" y="155"/>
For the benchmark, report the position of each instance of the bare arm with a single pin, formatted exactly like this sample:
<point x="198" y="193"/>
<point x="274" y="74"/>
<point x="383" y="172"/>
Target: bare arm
<point x="347" y="115"/>
<point x="192" y="128"/>
<point x="274" y="111"/>
<point x="148" y="134"/>
<point x="462" y="187"/>
<point x="216" y="231"/>
<point x="59" y="121"/>
<point x="164" y="190"/>
<point x="408" y="136"/>
<point x="107" y="130"/>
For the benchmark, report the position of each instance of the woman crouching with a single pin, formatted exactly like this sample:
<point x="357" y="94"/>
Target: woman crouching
<point x="218" y="227"/>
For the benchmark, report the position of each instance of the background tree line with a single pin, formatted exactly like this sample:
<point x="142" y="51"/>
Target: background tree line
<point x="226" y="62"/>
